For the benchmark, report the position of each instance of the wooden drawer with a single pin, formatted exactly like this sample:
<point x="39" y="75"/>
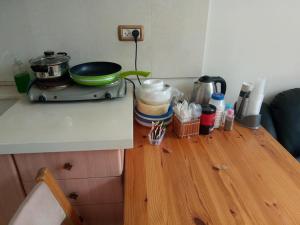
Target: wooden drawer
<point x="105" y="214"/>
<point x="89" y="191"/>
<point x="68" y="165"/>
<point x="11" y="192"/>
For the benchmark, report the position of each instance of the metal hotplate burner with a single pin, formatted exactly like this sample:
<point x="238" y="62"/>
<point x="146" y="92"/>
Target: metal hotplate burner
<point x="74" y="92"/>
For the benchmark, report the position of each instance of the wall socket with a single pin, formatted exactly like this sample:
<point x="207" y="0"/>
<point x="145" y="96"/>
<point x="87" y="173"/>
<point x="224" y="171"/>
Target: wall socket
<point x="125" y="32"/>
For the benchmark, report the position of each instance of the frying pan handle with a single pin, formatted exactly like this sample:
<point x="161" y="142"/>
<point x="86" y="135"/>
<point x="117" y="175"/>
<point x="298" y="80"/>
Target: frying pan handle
<point x="139" y="73"/>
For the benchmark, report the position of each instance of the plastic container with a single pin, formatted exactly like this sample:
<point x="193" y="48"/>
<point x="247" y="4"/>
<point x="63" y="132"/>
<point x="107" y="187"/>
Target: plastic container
<point x="156" y="141"/>
<point x="21" y="76"/>
<point x="186" y="129"/>
<point x="217" y="99"/>
<point x="154" y="96"/>
<point x="196" y="110"/>
<point x="153" y="84"/>
<point x="22" y="81"/>
<point x="256" y="98"/>
<point x="152" y="110"/>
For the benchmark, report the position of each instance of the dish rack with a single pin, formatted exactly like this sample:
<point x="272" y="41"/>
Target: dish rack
<point x="186" y="129"/>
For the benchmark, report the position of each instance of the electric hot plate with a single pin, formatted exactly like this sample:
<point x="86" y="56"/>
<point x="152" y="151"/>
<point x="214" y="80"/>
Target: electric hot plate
<point x="70" y="91"/>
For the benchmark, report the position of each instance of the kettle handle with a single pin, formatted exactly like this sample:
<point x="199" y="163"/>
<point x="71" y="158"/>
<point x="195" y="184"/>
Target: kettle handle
<point x="222" y="82"/>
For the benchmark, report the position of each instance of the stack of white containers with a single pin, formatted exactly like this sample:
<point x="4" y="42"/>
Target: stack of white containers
<point x="153" y="103"/>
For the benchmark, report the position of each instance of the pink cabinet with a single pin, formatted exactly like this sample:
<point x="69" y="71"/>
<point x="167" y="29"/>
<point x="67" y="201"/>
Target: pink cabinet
<point x="71" y="165"/>
<point x="11" y="192"/>
<point x="89" y="190"/>
<point x="105" y="214"/>
<point x="92" y="180"/>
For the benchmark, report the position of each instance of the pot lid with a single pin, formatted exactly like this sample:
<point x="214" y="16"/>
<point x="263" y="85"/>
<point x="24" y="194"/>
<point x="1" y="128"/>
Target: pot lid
<point x="50" y="58"/>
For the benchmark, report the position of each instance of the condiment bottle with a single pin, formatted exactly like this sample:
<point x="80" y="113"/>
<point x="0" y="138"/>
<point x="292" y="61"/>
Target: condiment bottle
<point x="227" y="107"/>
<point x="229" y="120"/>
<point x="217" y="99"/>
<point x="207" y="119"/>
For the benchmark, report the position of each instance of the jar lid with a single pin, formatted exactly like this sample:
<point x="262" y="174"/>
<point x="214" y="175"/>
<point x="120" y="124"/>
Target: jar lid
<point x="50" y="58"/>
<point x="228" y="106"/>
<point x="217" y="96"/>
<point x="208" y="109"/>
<point x="230" y="112"/>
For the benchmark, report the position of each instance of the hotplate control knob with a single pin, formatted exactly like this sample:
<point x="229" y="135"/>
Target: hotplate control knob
<point x="108" y="95"/>
<point x="42" y="98"/>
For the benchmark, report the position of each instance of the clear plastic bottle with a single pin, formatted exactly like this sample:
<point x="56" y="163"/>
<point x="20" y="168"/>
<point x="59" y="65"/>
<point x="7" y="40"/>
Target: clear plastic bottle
<point x="229" y="120"/>
<point x="217" y="99"/>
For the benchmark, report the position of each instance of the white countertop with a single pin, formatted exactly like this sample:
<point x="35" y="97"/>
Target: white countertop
<point x="56" y="127"/>
<point x="8" y="91"/>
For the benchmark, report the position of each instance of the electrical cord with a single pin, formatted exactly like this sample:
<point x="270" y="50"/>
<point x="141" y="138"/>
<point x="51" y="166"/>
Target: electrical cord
<point x="133" y="84"/>
<point x="135" y="62"/>
<point x="135" y="34"/>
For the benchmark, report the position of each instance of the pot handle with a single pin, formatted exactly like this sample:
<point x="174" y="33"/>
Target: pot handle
<point x="138" y="73"/>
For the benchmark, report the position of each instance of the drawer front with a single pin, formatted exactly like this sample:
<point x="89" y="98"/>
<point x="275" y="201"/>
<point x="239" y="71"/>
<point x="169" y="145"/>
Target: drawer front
<point x="68" y="165"/>
<point x="89" y="191"/>
<point x="106" y="214"/>
<point x="11" y="192"/>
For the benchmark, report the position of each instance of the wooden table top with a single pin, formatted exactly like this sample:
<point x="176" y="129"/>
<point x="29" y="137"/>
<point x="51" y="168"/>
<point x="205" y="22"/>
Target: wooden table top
<point x="237" y="177"/>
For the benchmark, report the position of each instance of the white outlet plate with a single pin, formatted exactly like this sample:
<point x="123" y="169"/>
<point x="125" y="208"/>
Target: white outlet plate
<point x="125" y="32"/>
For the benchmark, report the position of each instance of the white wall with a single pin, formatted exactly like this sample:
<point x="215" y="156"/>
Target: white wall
<point x="87" y="29"/>
<point x="245" y="39"/>
<point x="251" y="38"/>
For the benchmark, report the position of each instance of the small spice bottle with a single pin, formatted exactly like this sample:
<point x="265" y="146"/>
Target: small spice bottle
<point x="229" y="120"/>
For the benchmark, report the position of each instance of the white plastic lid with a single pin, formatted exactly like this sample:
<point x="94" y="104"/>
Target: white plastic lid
<point x="154" y="84"/>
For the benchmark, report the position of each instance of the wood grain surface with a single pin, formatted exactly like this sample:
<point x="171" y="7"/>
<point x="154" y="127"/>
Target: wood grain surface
<point x="226" y="178"/>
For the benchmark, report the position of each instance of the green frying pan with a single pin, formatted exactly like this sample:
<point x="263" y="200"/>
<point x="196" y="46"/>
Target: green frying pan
<point x="100" y="73"/>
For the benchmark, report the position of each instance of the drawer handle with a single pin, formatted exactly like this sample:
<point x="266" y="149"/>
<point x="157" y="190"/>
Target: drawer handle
<point x="73" y="195"/>
<point x="68" y="166"/>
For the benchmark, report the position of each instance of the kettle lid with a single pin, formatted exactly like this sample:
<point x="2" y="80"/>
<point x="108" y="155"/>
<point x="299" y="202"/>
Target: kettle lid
<point x="206" y="79"/>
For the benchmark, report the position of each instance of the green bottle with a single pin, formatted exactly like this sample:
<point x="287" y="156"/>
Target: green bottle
<point x="22" y="77"/>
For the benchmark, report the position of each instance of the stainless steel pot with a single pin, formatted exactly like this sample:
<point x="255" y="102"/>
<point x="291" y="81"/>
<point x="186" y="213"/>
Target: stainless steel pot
<point x="50" y="65"/>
